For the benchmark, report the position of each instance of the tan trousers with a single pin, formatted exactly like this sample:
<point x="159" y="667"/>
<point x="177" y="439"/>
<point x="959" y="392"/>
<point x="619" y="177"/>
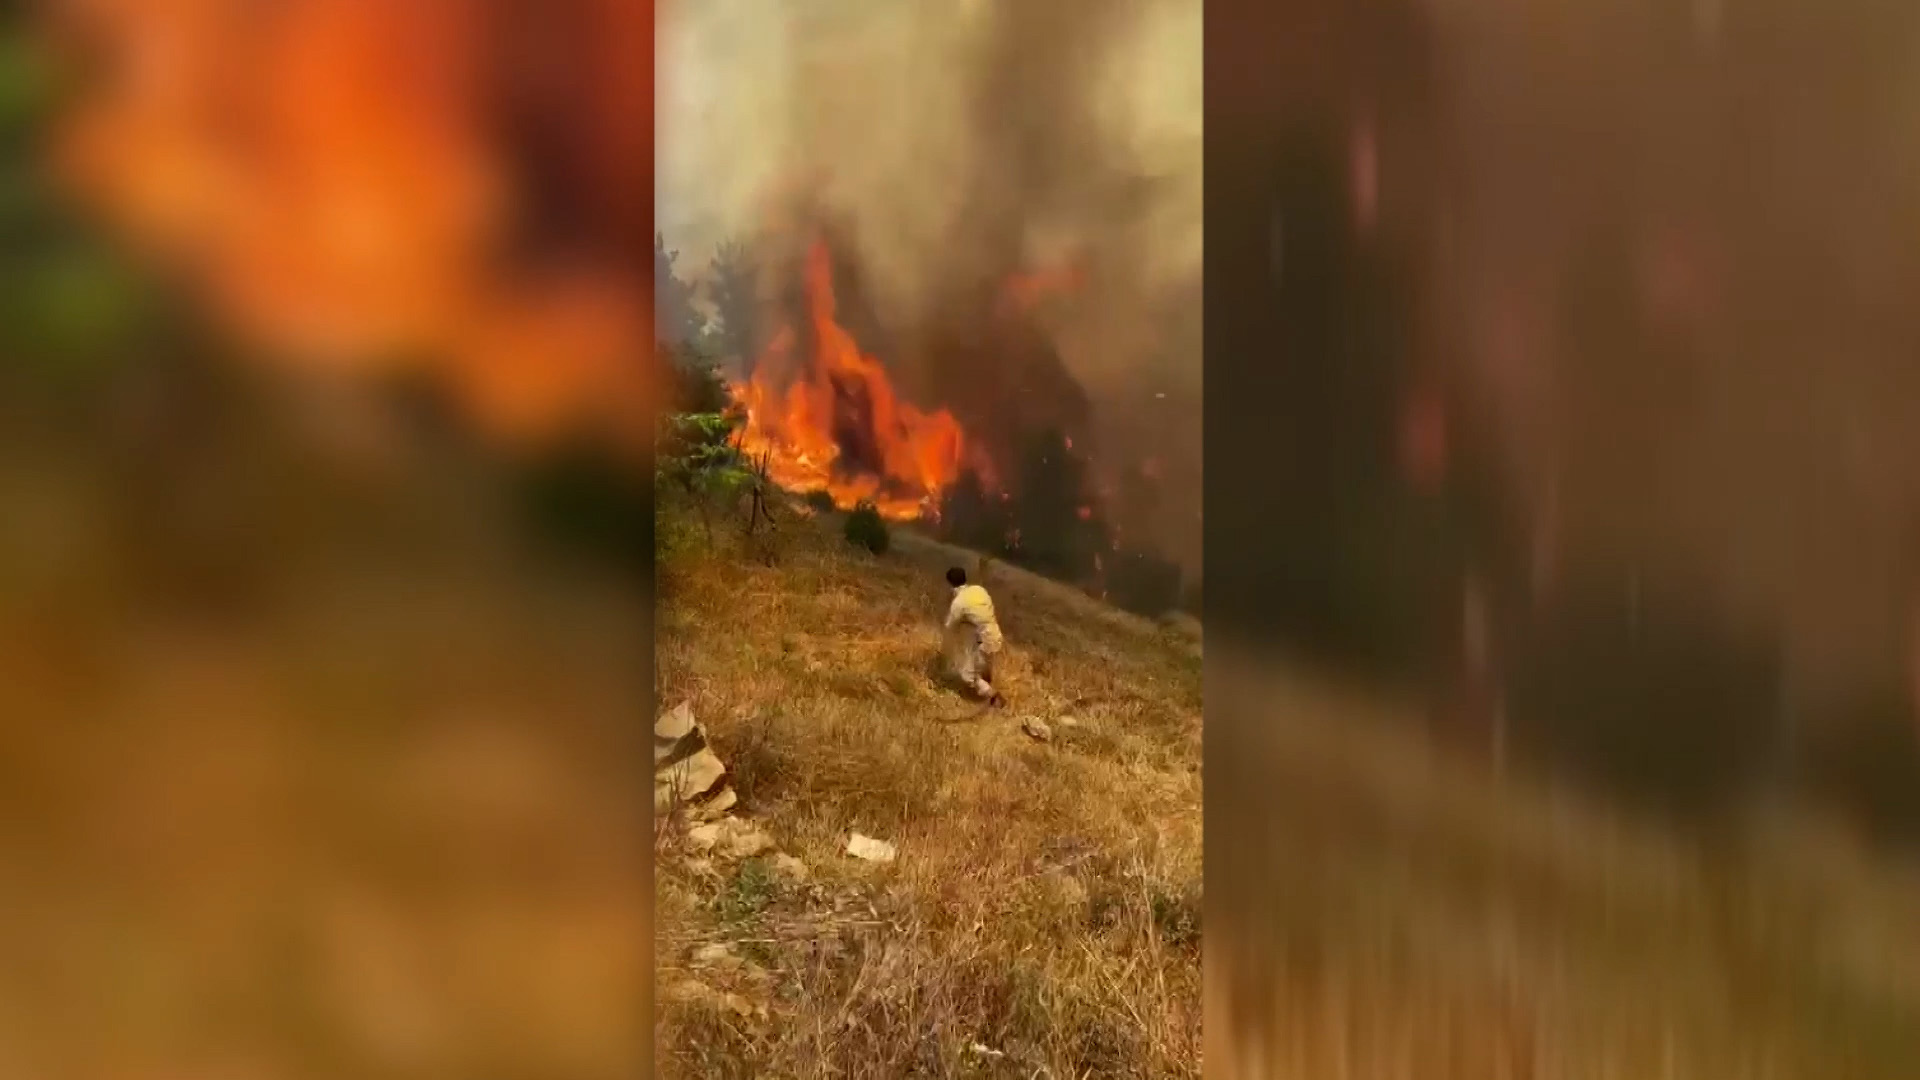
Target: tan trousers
<point x="974" y="664"/>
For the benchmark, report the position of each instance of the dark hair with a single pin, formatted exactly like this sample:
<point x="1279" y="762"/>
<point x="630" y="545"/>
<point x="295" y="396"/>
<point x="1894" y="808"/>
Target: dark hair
<point x="956" y="577"/>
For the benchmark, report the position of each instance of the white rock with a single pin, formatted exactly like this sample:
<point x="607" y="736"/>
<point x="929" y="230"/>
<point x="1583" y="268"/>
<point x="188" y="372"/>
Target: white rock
<point x="745" y="840"/>
<point x="1037" y="729"/>
<point x="686" y="780"/>
<point x="729" y="837"/>
<point x="676" y="724"/>
<point x="866" y="847"/>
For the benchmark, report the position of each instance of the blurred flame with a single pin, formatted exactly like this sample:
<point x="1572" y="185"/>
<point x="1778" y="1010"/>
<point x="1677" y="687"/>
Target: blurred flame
<point x="825" y="416"/>
<point x="329" y="172"/>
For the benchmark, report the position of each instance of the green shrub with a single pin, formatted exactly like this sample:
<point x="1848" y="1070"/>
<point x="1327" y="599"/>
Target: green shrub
<point x="867" y="529"/>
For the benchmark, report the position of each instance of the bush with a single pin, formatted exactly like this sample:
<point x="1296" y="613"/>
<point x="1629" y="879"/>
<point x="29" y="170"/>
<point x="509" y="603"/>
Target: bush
<point x="821" y="502"/>
<point x="867" y="529"/>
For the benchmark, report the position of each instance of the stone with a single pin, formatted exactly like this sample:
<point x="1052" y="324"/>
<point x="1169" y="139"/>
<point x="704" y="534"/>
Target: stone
<point x="744" y="840"/>
<point x="676" y="724"/>
<point x="687" y="774"/>
<point x="729" y="837"/>
<point x="1037" y="729"/>
<point x="789" y="868"/>
<point x="694" y="780"/>
<point x="869" y="849"/>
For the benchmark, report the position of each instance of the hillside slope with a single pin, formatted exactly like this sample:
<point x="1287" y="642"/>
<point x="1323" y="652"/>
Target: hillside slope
<point x="1391" y="910"/>
<point x="1043" y="914"/>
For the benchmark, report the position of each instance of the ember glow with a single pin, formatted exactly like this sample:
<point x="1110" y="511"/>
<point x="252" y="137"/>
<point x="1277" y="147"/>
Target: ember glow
<point x="826" y="417"/>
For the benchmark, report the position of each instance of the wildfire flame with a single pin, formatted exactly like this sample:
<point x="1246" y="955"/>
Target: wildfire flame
<point x="331" y="173"/>
<point x="826" y="417"/>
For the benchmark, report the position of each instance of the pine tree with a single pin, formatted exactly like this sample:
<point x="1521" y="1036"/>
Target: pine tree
<point x="675" y="320"/>
<point x="973" y="518"/>
<point x="1052" y="534"/>
<point x="734" y="287"/>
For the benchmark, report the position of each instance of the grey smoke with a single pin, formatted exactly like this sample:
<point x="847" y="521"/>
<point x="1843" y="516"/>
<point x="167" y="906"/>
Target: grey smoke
<point x="958" y="143"/>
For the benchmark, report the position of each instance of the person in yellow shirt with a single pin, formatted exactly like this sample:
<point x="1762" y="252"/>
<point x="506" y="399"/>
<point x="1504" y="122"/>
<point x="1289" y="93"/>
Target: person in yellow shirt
<point x="974" y="636"/>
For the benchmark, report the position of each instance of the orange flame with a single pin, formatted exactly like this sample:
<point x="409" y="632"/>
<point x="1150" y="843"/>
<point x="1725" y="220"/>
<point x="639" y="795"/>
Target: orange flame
<point x="827" y="418"/>
<point x="329" y="172"/>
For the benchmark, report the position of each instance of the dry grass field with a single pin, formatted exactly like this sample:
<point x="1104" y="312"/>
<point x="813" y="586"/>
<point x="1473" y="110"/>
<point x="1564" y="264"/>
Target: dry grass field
<point x="308" y="773"/>
<point x="1380" y="909"/>
<point x="1042" y="917"/>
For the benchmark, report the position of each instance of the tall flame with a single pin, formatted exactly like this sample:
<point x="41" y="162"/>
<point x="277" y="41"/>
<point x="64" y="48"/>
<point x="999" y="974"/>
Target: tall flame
<point x="826" y="417"/>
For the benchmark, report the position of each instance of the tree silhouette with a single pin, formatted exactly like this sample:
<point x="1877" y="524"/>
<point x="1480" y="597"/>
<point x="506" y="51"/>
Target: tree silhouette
<point x="973" y="518"/>
<point x="1352" y="564"/>
<point x="1051" y="532"/>
<point x="675" y="320"/>
<point x="734" y="289"/>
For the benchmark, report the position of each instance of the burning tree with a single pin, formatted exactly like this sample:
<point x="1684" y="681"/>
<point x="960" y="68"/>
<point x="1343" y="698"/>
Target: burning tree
<point x="973" y="517"/>
<point x="827" y="416"/>
<point x="1359" y="564"/>
<point x="1055" y="530"/>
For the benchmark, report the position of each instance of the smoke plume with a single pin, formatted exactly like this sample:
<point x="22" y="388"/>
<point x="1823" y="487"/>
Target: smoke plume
<point x="1013" y="190"/>
<point x="1677" y="253"/>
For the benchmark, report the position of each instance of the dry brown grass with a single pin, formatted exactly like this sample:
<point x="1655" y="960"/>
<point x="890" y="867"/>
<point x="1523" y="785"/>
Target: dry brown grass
<point x="1043" y="917"/>
<point x="1383" y="910"/>
<point x="377" y="817"/>
<point x="1392" y="912"/>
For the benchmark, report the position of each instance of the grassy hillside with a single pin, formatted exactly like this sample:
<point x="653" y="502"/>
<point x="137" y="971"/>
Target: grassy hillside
<point x="1380" y="908"/>
<point x="306" y="771"/>
<point x="1388" y="911"/>
<point x="1043" y="914"/>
